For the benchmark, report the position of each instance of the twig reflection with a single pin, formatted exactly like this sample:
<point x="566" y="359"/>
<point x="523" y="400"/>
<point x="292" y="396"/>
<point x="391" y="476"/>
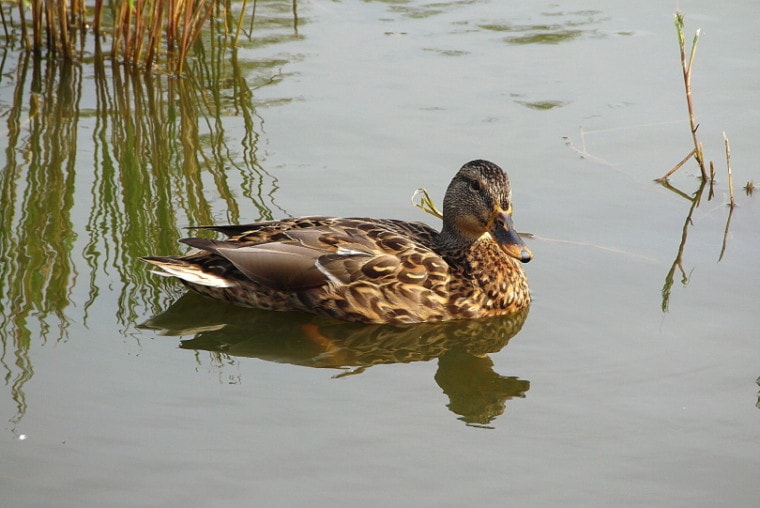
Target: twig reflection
<point x="678" y="262"/>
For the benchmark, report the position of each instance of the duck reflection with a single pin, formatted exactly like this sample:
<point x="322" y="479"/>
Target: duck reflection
<point x="465" y="373"/>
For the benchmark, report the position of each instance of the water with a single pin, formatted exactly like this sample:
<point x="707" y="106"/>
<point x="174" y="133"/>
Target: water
<point x="632" y="381"/>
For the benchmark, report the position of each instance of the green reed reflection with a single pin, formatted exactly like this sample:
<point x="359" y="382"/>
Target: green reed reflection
<point x="695" y="199"/>
<point x="37" y="195"/>
<point x="677" y="267"/>
<point x="36" y="231"/>
<point x="100" y="170"/>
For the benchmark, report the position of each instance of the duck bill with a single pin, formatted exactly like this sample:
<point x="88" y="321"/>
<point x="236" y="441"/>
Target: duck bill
<point x="506" y="236"/>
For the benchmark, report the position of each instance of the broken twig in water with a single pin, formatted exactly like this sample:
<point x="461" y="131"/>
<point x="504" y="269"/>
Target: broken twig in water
<point x="676" y="167"/>
<point x="730" y="177"/>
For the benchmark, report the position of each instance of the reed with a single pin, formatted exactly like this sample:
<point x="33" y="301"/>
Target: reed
<point x="687" y="64"/>
<point x="686" y="67"/>
<point x="142" y="33"/>
<point x="730" y="176"/>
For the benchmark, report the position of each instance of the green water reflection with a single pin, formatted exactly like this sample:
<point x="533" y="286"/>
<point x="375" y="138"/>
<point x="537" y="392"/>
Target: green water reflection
<point x="100" y="169"/>
<point x="465" y="373"/>
<point x="568" y="26"/>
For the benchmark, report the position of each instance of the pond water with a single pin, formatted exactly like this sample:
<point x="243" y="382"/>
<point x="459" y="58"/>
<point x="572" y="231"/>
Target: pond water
<point x="632" y="381"/>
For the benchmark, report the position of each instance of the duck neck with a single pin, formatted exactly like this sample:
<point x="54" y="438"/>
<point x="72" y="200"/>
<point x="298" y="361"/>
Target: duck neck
<point x="466" y="254"/>
<point x="449" y="241"/>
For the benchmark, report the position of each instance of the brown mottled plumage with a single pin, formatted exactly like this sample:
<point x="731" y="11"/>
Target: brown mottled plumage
<point x="373" y="270"/>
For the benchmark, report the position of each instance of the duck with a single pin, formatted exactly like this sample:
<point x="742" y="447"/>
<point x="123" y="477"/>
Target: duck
<point x="372" y="270"/>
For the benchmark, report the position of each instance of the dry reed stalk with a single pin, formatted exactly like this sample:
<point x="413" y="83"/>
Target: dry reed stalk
<point x="686" y="68"/>
<point x="195" y="16"/>
<point x="64" y="16"/>
<point x="140" y="27"/>
<point x="186" y="28"/>
<point x="120" y="20"/>
<point x="5" y="26"/>
<point x="676" y="167"/>
<point x="97" y="17"/>
<point x="36" y="8"/>
<point x="154" y="38"/>
<point x="239" y="24"/>
<point x="138" y="32"/>
<point x="24" y="34"/>
<point x="171" y="27"/>
<point x="730" y="176"/>
<point x="54" y="24"/>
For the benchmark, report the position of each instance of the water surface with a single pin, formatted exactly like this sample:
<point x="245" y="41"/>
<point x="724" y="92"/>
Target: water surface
<point x="631" y="381"/>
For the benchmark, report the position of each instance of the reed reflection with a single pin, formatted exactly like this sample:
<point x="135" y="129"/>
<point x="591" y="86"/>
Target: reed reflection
<point x="37" y="234"/>
<point x="92" y="170"/>
<point x="476" y="392"/>
<point x="695" y="199"/>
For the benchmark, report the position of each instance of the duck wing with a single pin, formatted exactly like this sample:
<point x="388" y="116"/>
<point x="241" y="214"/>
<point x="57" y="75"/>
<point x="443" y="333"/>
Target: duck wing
<point x="332" y="253"/>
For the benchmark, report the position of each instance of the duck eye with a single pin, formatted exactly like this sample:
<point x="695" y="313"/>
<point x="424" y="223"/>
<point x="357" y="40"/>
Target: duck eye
<point x="475" y="186"/>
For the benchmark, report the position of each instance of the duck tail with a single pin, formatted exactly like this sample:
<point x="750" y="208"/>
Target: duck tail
<point x="186" y="271"/>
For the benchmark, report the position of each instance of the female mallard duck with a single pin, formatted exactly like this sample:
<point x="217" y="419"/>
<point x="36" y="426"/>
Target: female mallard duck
<point x="373" y="270"/>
